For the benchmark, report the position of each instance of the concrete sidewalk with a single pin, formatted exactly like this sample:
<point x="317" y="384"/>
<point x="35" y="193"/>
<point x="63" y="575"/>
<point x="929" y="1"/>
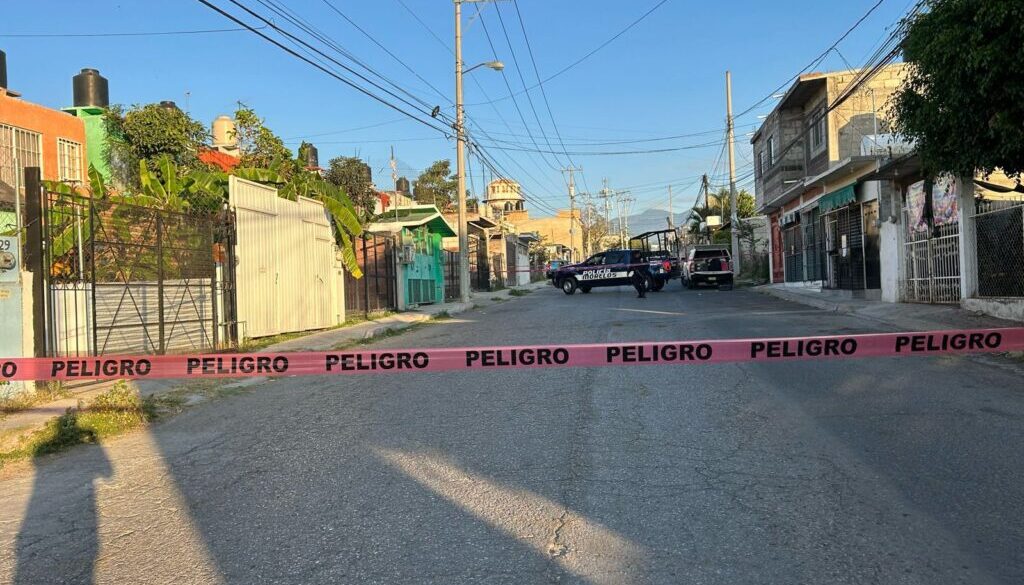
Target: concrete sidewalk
<point x="18" y="424"/>
<point x="906" y="316"/>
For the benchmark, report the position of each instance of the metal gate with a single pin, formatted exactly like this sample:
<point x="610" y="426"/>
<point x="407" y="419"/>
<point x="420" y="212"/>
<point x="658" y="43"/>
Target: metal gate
<point x="377" y="290"/>
<point x="931" y="272"/>
<point x="122" y="278"/>
<point x="451" y="275"/>
<point x="479" y="267"/>
<point x="793" y="248"/>
<point x="847" y="268"/>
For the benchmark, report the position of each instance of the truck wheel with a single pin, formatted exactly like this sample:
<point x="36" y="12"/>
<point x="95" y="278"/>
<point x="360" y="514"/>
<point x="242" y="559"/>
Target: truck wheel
<point x="690" y="284"/>
<point x="658" y="285"/>
<point x="585" y="289"/>
<point x="569" y="285"/>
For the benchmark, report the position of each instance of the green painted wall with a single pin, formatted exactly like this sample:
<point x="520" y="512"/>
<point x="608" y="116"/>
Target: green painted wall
<point x="424" y="277"/>
<point x="95" y="138"/>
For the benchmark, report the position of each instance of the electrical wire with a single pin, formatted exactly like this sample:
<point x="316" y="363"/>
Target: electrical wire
<point x="813" y="63"/>
<point x="588" y="55"/>
<point x="319" y="66"/>
<point x="126" y="34"/>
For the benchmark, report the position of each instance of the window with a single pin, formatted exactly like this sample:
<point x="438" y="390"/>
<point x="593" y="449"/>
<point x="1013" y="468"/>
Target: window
<point x="771" y="151"/>
<point x="69" y="160"/>
<point x="760" y="163"/>
<point x="19" y="149"/>
<point x="817" y="122"/>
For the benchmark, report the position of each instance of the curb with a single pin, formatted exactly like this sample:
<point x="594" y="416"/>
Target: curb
<point x="803" y="300"/>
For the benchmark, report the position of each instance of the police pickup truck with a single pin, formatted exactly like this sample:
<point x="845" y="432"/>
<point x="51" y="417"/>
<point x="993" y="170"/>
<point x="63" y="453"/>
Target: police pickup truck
<point x="609" y="268"/>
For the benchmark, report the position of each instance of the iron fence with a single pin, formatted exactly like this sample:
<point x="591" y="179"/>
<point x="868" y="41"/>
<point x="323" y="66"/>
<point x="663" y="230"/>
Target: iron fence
<point x="479" y="267"/>
<point x="793" y="250"/>
<point x="999" y="225"/>
<point x="377" y="290"/>
<point x="124" y="278"/>
<point x="452" y="276"/>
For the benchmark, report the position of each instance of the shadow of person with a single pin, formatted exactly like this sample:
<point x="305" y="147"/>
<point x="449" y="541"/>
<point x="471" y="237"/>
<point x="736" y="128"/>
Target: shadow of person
<point x="59" y="539"/>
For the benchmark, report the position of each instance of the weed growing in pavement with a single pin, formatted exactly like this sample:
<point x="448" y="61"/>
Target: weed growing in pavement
<point x="45" y="392"/>
<point x="519" y="292"/>
<point x="114" y="412"/>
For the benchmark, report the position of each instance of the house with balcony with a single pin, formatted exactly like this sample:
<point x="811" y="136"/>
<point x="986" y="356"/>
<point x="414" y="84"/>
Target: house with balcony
<point x="812" y="161"/>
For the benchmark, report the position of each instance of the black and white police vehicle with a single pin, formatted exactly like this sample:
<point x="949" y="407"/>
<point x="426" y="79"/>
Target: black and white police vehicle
<point x="609" y="268"/>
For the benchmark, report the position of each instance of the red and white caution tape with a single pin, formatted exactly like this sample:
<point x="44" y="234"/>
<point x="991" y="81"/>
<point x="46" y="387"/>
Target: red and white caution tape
<point x="829" y="347"/>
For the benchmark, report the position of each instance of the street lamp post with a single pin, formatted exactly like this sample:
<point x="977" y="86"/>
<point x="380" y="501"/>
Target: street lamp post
<point x="460" y="156"/>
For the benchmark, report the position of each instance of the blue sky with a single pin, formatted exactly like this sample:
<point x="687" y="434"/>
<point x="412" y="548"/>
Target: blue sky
<point x="664" y="77"/>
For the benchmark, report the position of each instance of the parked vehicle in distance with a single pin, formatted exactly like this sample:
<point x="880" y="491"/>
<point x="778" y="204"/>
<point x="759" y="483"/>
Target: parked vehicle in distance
<point x="553" y="267"/>
<point x="608" y="268"/>
<point x="708" y="264"/>
<point x="663" y="247"/>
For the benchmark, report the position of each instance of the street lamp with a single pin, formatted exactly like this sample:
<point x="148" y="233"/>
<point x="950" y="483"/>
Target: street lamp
<point x="460" y="162"/>
<point x="496" y="65"/>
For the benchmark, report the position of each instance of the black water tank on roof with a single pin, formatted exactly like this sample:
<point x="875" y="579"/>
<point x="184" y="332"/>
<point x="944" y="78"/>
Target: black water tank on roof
<point x="402" y="185"/>
<point x="169" y="105"/>
<point x="312" y="157"/>
<point x="90" y="89"/>
<point x="3" y="70"/>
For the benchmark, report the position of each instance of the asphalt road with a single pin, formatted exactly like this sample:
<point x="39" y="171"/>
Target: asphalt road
<point x="878" y="471"/>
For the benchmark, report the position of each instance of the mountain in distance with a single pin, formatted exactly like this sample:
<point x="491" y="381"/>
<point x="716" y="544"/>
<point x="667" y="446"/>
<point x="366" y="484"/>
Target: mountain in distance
<point x="651" y="220"/>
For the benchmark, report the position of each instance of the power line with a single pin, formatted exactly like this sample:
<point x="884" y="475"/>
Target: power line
<point x="386" y="50"/>
<point x="522" y="78"/>
<point x="589" y="54"/>
<point x="302" y="24"/>
<point x="127" y="34"/>
<point x="813" y="63"/>
<point x="319" y="66"/>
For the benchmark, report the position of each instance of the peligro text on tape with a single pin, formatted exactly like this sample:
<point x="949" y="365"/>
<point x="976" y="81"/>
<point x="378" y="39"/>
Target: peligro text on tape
<point x="826" y="347"/>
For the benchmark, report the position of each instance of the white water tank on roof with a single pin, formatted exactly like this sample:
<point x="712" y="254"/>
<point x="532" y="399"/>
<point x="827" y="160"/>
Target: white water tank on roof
<point x="224" y="132"/>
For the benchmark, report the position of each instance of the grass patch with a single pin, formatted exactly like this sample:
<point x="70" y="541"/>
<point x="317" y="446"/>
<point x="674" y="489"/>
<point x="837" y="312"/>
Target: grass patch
<point x="519" y="292"/>
<point x="44" y="393"/>
<point x="112" y="413"/>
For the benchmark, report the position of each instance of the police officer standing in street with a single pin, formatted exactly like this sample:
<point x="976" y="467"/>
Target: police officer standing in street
<point x="639" y="277"/>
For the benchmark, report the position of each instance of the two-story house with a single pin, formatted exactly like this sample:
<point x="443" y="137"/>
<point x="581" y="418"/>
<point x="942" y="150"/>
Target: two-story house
<point x="810" y="155"/>
<point x="32" y="135"/>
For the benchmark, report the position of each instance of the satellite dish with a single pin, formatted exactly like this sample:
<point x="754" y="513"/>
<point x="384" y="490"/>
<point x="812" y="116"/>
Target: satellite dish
<point x="435" y="111"/>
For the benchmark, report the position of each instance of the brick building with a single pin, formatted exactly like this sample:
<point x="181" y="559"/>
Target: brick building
<point x="810" y="159"/>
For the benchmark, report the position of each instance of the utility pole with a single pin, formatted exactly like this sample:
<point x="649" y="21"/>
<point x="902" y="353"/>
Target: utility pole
<point x="460" y="157"/>
<point x="572" y="211"/>
<point x="734" y="221"/>
<point x="671" y="217"/>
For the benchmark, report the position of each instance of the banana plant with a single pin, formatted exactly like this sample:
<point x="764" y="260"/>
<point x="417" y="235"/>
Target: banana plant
<point x="165" y="191"/>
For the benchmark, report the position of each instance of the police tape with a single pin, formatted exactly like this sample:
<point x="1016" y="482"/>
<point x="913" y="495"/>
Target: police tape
<point x="626" y="353"/>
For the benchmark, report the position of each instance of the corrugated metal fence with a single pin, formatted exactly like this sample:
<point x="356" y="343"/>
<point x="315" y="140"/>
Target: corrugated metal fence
<point x="287" y="275"/>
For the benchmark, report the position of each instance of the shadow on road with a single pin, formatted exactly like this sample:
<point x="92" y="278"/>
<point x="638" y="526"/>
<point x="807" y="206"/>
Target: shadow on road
<point x="59" y="540"/>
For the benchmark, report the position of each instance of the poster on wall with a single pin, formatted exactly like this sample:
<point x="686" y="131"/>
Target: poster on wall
<point x="945" y="200"/>
<point x="915" y="205"/>
<point x="945" y="203"/>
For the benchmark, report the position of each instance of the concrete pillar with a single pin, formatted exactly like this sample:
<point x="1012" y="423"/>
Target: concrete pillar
<point x="968" y="239"/>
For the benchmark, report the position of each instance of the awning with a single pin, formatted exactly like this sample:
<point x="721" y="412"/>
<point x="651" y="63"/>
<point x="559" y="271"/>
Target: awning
<point x="837" y="199"/>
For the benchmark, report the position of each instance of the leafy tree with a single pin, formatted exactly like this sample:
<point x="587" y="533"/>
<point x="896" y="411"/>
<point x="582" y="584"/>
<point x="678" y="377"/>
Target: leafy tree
<point x="147" y="132"/>
<point x="594" y="227"/>
<point x="436" y="185"/>
<point x="258" y="145"/>
<point x="961" y="102"/>
<point x="355" y="178"/>
<point x="719" y="204"/>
